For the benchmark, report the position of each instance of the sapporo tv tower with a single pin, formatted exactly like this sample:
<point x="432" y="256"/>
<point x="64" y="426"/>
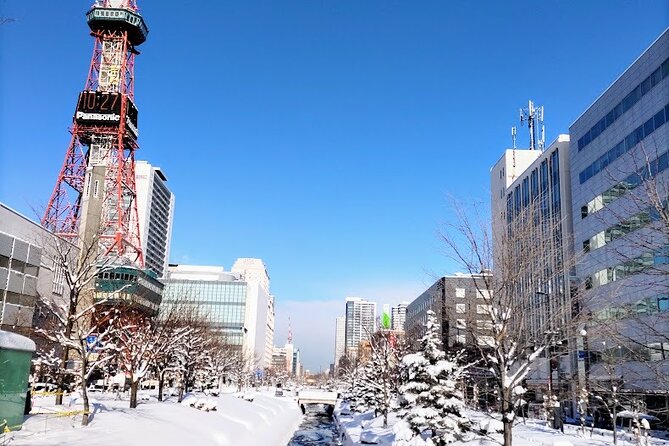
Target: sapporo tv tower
<point x="95" y="196"/>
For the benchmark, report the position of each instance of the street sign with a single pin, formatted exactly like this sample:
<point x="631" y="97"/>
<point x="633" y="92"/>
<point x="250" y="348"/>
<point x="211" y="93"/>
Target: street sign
<point x="91" y="342"/>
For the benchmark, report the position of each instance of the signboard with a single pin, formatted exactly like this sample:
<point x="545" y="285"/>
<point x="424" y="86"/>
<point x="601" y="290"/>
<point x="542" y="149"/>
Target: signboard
<point x="385" y="317"/>
<point x="104" y="108"/>
<point x="581" y="355"/>
<point x="91" y="342"/>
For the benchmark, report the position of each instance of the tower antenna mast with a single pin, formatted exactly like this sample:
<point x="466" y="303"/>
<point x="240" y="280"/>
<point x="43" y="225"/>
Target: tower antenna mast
<point x="534" y="117"/>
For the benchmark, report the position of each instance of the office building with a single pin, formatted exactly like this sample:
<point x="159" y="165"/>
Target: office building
<point x="399" y="316"/>
<point x="27" y="270"/>
<point x="619" y="171"/>
<point x="340" y="339"/>
<point x="155" y="207"/>
<point x="536" y="202"/>
<point x="360" y="323"/>
<point x="460" y="303"/>
<point x="234" y="304"/>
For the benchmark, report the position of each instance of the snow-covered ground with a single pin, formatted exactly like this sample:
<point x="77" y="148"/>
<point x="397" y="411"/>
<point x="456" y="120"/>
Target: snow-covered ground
<point x="265" y="421"/>
<point x="358" y="429"/>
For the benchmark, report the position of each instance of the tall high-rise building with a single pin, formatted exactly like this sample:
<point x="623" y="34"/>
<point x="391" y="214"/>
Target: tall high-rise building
<point x="360" y="323"/>
<point x="254" y="272"/>
<point x="155" y="206"/>
<point x="233" y="304"/>
<point x="399" y="316"/>
<point x="340" y="339"/>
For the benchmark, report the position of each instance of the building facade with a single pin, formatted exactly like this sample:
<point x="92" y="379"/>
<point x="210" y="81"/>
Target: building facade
<point x="538" y="203"/>
<point x="456" y="301"/>
<point x="26" y="271"/>
<point x="155" y="207"/>
<point x="360" y="323"/>
<point x="619" y="172"/>
<point x="233" y="307"/>
<point x="399" y="316"/>
<point x="340" y="339"/>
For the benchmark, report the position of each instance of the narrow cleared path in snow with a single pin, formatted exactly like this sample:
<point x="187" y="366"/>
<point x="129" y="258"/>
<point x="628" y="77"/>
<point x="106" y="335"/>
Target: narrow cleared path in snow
<point x="317" y="429"/>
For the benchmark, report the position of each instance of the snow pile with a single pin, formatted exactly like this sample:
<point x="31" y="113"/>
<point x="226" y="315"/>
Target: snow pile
<point x="206" y="404"/>
<point x="13" y="341"/>
<point x="268" y="421"/>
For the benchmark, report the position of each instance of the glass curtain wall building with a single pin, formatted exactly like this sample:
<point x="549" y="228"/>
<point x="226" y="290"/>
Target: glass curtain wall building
<point x="219" y="298"/>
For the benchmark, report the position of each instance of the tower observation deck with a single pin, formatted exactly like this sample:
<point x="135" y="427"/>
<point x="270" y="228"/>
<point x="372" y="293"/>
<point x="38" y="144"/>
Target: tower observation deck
<point x="94" y="199"/>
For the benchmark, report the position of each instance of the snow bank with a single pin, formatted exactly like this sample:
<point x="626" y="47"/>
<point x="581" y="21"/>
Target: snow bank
<point x="265" y="422"/>
<point x="13" y="341"/>
<point x="356" y="429"/>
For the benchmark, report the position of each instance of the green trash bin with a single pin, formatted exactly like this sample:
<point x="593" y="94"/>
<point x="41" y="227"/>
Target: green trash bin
<point x="16" y="351"/>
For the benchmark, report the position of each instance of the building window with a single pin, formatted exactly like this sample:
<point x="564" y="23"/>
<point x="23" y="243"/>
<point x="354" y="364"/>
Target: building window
<point x="482" y="309"/>
<point x="459" y="292"/>
<point x="460" y="323"/>
<point x="483" y="294"/>
<point x="488" y="341"/>
<point x="460" y="308"/>
<point x="461" y="339"/>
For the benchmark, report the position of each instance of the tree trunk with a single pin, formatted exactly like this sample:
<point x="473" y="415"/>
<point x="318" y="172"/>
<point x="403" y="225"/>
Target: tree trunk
<point x="134" y="384"/>
<point x="161" y="384"/>
<point x="84" y="393"/>
<point x="615" y="415"/>
<point x="181" y="393"/>
<point x="508" y="432"/>
<point x="507" y="416"/>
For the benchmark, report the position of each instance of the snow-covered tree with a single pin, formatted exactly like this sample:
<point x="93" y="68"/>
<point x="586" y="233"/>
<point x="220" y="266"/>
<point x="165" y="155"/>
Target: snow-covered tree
<point x="432" y="400"/>
<point x="377" y="381"/>
<point x="83" y="324"/>
<point x="521" y="276"/>
<point x="139" y="343"/>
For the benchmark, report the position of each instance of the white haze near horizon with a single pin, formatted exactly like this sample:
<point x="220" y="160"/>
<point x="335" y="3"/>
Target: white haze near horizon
<point x="313" y="321"/>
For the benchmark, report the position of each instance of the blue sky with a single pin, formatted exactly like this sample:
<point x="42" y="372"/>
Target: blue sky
<point x="321" y="136"/>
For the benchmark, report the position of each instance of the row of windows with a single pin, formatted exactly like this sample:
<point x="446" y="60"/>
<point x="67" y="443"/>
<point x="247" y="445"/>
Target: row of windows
<point x="625" y="145"/>
<point x="621" y="229"/>
<point x="480" y="309"/>
<point x="654" y="167"/>
<point x="624" y="105"/>
<point x="654" y="351"/>
<point x="647" y="305"/>
<point x="543" y="184"/>
<point x="18" y="266"/>
<point x="629" y="268"/>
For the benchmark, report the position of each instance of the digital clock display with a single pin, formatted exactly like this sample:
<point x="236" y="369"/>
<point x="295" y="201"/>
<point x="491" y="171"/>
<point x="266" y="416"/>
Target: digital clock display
<point x="100" y="108"/>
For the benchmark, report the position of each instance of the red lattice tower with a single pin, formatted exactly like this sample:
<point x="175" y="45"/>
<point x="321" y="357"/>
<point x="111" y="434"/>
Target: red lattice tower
<point x="95" y="194"/>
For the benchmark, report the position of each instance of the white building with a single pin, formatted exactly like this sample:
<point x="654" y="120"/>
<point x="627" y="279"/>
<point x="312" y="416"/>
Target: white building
<point x="399" y="316"/>
<point x="235" y="303"/>
<point x="155" y="207"/>
<point x="254" y="272"/>
<point x="340" y="339"/>
<point x="360" y="323"/>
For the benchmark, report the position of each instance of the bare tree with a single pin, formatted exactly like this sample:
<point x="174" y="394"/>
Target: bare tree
<point x="83" y="323"/>
<point x="524" y="304"/>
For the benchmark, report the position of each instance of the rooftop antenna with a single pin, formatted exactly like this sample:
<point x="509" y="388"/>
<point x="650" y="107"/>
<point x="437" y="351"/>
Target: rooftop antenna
<point x="534" y="117"/>
<point x="290" y="332"/>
